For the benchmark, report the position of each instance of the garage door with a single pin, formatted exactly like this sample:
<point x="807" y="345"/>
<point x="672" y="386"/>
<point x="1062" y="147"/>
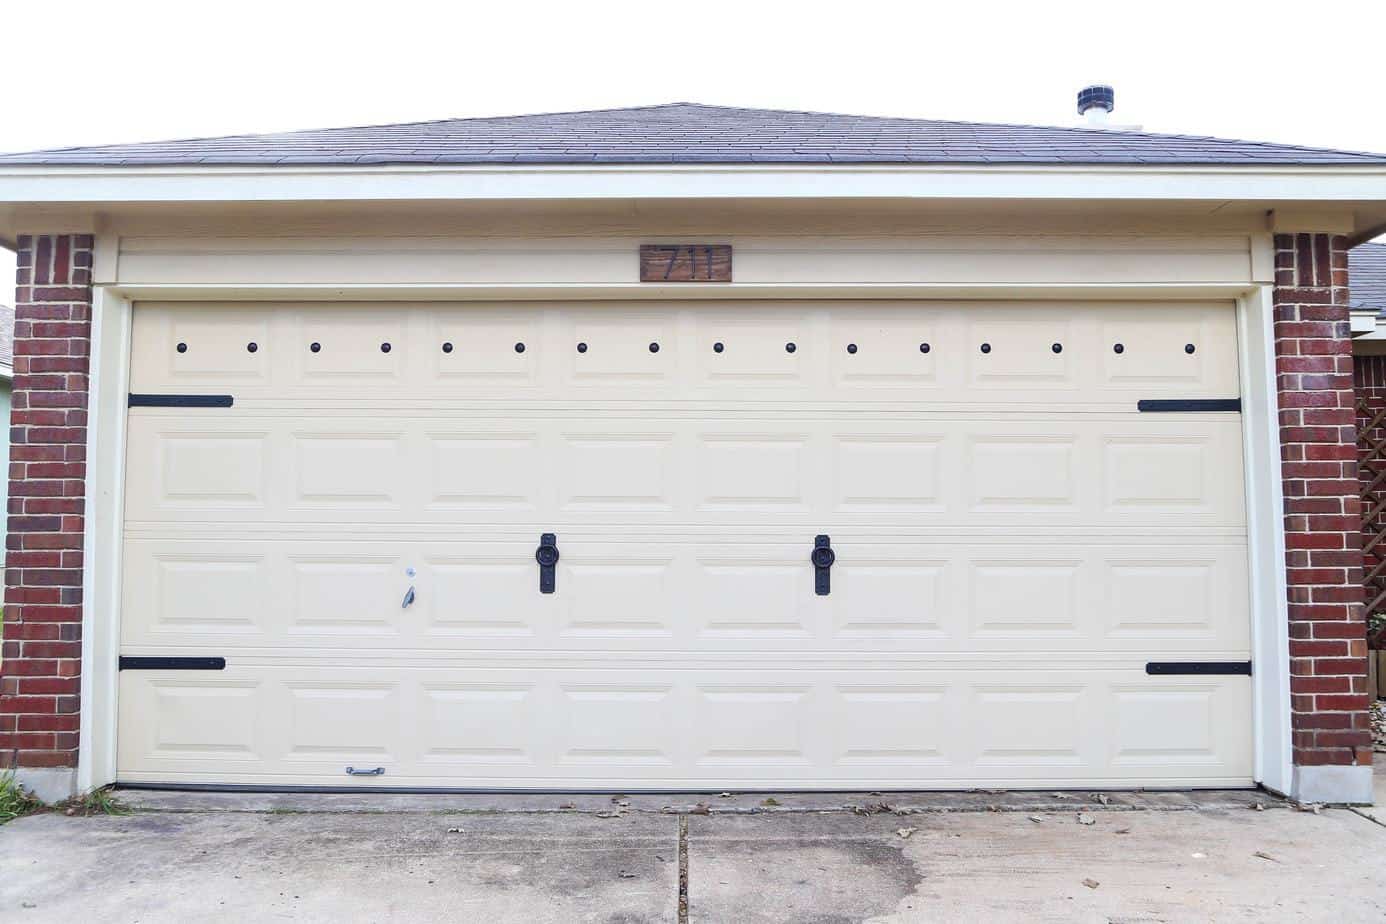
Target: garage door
<point x="356" y="536"/>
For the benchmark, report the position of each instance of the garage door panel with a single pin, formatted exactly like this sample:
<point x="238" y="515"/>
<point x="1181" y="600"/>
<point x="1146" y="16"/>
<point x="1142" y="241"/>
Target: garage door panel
<point x="356" y="536"/>
<point x="999" y="594"/>
<point x="954" y="471"/>
<point x="642" y="727"/>
<point x="530" y="350"/>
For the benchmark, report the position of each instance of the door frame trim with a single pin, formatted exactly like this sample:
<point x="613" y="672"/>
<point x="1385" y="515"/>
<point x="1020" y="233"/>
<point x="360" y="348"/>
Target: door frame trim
<point x="112" y="318"/>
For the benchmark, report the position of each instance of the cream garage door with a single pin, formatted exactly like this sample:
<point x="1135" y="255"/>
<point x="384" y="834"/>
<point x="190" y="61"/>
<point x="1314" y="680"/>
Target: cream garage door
<point x="1014" y="543"/>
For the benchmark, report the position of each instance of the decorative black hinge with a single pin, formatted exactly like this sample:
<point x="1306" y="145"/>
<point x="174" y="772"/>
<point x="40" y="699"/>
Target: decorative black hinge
<point x="822" y="558"/>
<point x="1167" y="668"/>
<point x="547" y="556"/>
<point x="180" y="400"/>
<point x="1184" y="405"/>
<point x="171" y="664"/>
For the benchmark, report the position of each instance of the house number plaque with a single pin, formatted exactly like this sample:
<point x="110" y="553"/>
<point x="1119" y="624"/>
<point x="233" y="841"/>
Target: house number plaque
<point x="685" y="263"/>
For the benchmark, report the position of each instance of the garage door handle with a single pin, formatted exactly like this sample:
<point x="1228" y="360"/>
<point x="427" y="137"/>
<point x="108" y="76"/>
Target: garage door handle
<point x="361" y="771"/>
<point x="408" y="598"/>
<point x="547" y="556"/>
<point x="822" y="558"/>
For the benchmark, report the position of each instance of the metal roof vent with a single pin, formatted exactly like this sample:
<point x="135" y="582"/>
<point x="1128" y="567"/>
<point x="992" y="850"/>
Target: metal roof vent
<point x="1095" y="103"/>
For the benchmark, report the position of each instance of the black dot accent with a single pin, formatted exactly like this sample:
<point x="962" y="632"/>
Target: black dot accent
<point x="182" y="348"/>
<point x="384" y="348"/>
<point x="1118" y="348"/>
<point x="851" y="348"/>
<point x="790" y="347"/>
<point x="315" y="347"/>
<point x="519" y="348"/>
<point x="924" y="348"/>
<point x="654" y="348"/>
<point x="252" y="346"/>
<point x="1189" y="348"/>
<point x="718" y="347"/>
<point x="447" y="346"/>
<point x="1057" y="348"/>
<point x="986" y="348"/>
<point x="582" y="348"/>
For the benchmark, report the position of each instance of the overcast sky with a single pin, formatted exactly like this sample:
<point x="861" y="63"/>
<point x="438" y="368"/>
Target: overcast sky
<point x="138" y="70"/>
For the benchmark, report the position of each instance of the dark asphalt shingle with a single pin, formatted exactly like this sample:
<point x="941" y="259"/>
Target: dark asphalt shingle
<point x="1367" y="277"/>
<point x="691" y="133"/>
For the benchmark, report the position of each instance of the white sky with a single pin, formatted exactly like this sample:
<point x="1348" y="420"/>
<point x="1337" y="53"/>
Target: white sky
<point x="82" y="72"/>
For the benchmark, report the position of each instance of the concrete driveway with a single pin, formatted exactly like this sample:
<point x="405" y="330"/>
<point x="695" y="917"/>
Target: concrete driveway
<point x="830" y="858"/>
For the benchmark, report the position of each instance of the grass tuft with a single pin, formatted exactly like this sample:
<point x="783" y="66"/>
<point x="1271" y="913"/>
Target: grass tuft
<point x="15" y="800"/>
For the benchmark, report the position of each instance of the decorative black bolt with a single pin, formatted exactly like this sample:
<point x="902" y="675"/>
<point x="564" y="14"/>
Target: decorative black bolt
<point x="654" y="348"/>
<point x="790" y="347"/>
<point x="986" y="348"/>
<point x="1057" y="348"/>
<point x="1189" y="348"/>
<point x="717" y="347"/>
<point x="1118" y="348"/>
<point x="519" y="348"/>
<point x="447" y="347"/>
<point x="384" y="348"/>
<point x="582" y="348"/>
<point x="252" y="346"/>
<point x="851" y="348"/>
<point x="315" y="347"/>
<point x="182" y="348"/>
<point x="924" y="348"/>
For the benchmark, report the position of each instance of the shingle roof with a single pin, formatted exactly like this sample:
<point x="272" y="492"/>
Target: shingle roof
<point x="1367" y="277"/>
<point x="691" y="133"/>
<point x="6" y="336"/>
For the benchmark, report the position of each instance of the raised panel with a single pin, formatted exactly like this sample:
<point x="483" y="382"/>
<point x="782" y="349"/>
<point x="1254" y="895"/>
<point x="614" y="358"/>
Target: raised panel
<point x="887" y="599"/>
<point x="889" y="473"/>
<point x="891" y="723"/>
<point x="1020" y="352"/>
<point x="212" y="469"/>
<point x="884" y="352"/>
<point x="349" y="469"/>
<point x="754" y="350"/>
<point x="1167" y="472"/>
<point x="487" y="347"/>
<point x="615" y="470"/>
<point x="352" y="596"/>
<point x="752" y="724"/>
<point x="208" y="594"/>
<point x="342" y="722"/>
<point x="1022" y="472"/>
<point x="485" y="471"/>
<point x="751" y="472"/>
<point x="623" y="349"/>
<point x="481" y="597"/>
<point x="1163" y="599"/>
<point x="351" y="346"/>
<point x="477" y="723"/>
<point x="1166" y="723"/>
<point x="1020" y="599"/>
<point x="751" y="599"/>
<point x="618" y="724"/>
<point x="1028" y="725"/>
<point x="616" y="598"/>
<point x="204" y="719"/>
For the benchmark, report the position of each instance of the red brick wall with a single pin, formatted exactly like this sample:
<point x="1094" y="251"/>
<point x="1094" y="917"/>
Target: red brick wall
<point x="1369" y="382"/>
<point x="39" y="676"/>
<point x="1313" y="346"/>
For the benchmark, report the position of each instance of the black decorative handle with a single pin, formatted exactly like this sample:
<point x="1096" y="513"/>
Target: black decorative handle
<point x="547" y="556"/>
<point x="822" y="558"/>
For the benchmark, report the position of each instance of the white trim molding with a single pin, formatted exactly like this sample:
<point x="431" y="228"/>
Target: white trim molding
<point x="282" y="183"/>
<point x="109" y="384"/>
<point x="113" y="311"/>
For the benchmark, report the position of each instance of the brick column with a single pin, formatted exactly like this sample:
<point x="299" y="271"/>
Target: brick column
<point x="1328" y="648"/>
<point x="40" y="674"/>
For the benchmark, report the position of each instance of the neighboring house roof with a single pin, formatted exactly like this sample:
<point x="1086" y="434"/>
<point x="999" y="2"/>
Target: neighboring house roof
<point x="6" y="342"/>
<point x="691" y="133"/>
<point x="1367" y="277"/>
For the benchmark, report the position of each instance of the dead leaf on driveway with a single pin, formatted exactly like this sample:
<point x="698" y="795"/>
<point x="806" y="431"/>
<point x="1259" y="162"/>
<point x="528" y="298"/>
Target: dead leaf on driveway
<point x="1091" y="883"/>
<point x="1265" y="856"/>
<point x="1085" y="819"/>
<point x="905" y="832"/>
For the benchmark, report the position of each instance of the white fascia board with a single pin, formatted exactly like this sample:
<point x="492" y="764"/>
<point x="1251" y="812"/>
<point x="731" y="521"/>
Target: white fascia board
<point x="1363" y="321"/>
<point x="35" y="185"/>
